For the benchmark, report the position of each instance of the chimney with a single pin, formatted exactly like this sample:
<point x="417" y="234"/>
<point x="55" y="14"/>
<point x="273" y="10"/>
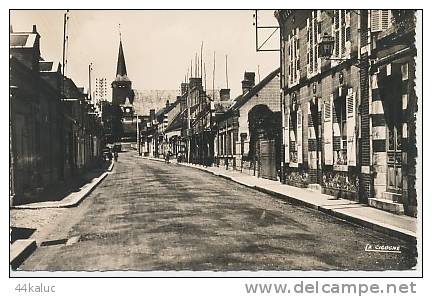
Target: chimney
<point x="195" y="82"/>
<point x="34" y="29"/>
<point x="248" y="81"/>
<point x="224" y="94"/>
<point x="184" y="88"/>
<point x="167" y="104"/>
<point x="152" y="114"/>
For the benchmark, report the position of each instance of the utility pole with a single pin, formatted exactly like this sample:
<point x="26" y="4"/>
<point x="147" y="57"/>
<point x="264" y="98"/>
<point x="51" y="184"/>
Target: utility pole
<point x="89" y="77"/>
<point x="214" y="68"/>
<point x="205" y="79"/>
<point x="259" y="76"/>
<point x="63" y="156"/>
<point x="65" y="19"/>
<point x="226" y="70"/>
<point x="138" y="135"/>
<point x="201" y="66"/>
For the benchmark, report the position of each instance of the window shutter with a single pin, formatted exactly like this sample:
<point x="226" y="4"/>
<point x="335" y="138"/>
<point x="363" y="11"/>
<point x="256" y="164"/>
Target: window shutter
<point x="286" y="136"/>
<point x="347" y="29"/>
<point x="299" y="136"/>
<point x="337" y="43"/>
<point x="375" y="19"/>
<point x="348" y="18"/>
<point x="385" y="19"/>
<point x="328" y="131"/>
<point x="319" y="18"/>
<point x="351" y="129"/>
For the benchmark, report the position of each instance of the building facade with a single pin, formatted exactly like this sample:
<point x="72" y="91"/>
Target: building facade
<point x="344" y="131"/>
<point x="53" y="135"/>
<point x="248" y="132"/>
<point x="199" y="135"/>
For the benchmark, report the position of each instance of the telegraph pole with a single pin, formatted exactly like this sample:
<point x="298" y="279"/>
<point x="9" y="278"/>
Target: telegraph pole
<point x="226" y="70"/>
<point x="201" y="64"/>
<point x="62" y="156"/>
<point x="65" y="19"/>
<point x="89" y="77"/>
<point x="214" y="68"/>
<point x="138" y="134"/>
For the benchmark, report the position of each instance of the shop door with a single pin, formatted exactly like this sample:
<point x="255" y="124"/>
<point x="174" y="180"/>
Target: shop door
<point x="267" y="159"/>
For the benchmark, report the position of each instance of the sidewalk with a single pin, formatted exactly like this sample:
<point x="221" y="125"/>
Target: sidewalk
<point x="38" y="215"/>
<point x="401" y="226"/>
<point x="71" y="199"/>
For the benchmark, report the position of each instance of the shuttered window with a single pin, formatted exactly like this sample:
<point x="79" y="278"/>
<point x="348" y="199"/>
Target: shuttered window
<point x="286" y="141"/>
<point x="351" y="128"/>
<point x="313" y="36"/>
<point x="340" y="131"/>
<point x="380" y="19"/>
<point x="299" y="140"/>
<point x="292" y="136"/>
<point x="328" y="131"/>
<point x="293" y="59"/>
<point x="341" y="29"/>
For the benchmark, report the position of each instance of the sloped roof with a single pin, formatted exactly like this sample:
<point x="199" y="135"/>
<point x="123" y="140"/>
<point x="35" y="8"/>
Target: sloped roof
<point x="168" y="108"/>
<point x="242" y="99"/>
<point x="48" y="66"/>
<point x="22" y="40"/>
<point x="176" y="123"/>
<point x="145" y="100"/>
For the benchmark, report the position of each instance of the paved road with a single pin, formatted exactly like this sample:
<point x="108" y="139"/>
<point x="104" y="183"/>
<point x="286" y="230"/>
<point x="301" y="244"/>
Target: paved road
<point x="148" y="215"/>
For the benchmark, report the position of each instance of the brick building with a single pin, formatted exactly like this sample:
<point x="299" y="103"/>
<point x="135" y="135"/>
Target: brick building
<point x="340" y="134"/>
<point x="248" y="132"/>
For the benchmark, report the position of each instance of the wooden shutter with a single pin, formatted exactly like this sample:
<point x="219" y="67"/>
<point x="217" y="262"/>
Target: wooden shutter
<point x="286" y="138"/>
<point x="328" y="131"/>
<point x="385" y="19"/>
<point x="286" y="144"/>
<point x="347" y="29"/>
<point x="375" y="20"/>
<point x="351" y="128"/>
<point x="299" y="140"/>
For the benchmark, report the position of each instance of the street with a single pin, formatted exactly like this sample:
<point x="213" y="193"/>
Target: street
<point x="148" y="215"/>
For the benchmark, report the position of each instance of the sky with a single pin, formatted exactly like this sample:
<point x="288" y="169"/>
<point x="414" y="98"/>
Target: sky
<point x="158" y="45"/>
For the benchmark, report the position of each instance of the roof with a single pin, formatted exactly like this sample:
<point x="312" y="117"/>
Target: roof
<point x="168" y="108"/>
<point x="176" y="123"/>
<point x="121" y="73"/>
<point x="144" y="100"/>
<point x="242" y="99"/>
<point x="71" y="90"/>
<point x="48" y="66"/>
<point x="22" y="40"/>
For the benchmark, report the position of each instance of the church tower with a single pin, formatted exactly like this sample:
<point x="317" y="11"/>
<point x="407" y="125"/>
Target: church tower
<point x="122" y="85"/>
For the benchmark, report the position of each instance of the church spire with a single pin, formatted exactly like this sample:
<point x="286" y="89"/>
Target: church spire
<point x="121" y="64"/>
